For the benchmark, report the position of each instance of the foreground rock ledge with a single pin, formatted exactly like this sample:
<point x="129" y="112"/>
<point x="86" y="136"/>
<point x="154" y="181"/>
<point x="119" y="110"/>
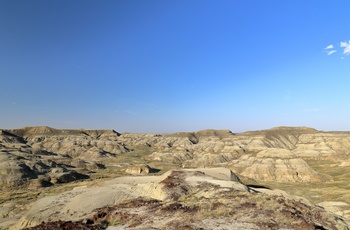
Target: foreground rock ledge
<point x="207" y="198"/>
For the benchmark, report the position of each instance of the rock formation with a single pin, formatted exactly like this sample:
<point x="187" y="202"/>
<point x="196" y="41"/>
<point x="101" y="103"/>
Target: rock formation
<point x="138" y="170"/>
<point x="277" y="154"/>
<point x="275" y="165"/>
<point x="20" y="163"/>
<point x="180" y="199"/>
<point x="49" y="156"/>
<point x="36" y="157"/>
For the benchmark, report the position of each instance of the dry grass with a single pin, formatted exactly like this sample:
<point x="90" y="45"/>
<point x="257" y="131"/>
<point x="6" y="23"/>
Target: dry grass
<point x="231" y="206"/>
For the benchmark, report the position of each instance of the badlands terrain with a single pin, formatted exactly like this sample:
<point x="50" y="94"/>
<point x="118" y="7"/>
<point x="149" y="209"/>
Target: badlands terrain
<point x="281" y="178"/>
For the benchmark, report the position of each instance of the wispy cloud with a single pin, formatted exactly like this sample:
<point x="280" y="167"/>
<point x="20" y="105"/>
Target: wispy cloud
<point x="331" y="52"/>
<point x="346" y="46"/>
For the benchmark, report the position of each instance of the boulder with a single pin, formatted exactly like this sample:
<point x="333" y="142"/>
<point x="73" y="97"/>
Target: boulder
<point x="138" y="170"/>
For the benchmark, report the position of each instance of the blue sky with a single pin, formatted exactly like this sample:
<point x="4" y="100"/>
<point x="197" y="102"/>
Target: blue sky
<point x="167" y="66"/>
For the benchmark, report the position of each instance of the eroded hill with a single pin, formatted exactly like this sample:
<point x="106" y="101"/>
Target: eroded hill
<point x="300" y="160"/>
<point x="180" y="199"/>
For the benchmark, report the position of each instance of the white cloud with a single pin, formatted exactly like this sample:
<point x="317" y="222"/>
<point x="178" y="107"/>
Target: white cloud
<point x="331" y="52"/>
<point x="346" y="46"/>
<point x="343" y="46"/>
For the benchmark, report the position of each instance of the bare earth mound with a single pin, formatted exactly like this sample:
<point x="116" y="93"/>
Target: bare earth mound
<point x="180" y="199"/>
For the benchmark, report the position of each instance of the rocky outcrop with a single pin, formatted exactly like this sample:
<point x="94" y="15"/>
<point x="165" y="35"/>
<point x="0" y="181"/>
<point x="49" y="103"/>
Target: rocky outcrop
<point x="23" y="166"/>
<point x="278" y="154"/>
<point x="36" y="157"/>
<point x="338" y="208"/>
<point x="345" y="163"/>
<point x="275" y="165"/>
<point x="180" y="199"/>
<point x="77" y="144"/>
<point x="21" y="169"/>
<point x="138" y="170"/>
<point x="72" y="205"/>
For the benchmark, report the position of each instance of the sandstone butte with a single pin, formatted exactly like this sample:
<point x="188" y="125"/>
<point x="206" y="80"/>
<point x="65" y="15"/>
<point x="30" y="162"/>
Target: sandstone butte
<point x="281" y="178"/>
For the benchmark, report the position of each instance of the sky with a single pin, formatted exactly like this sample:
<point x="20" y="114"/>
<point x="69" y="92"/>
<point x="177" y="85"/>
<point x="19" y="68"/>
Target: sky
<point x="162" y="66"/>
